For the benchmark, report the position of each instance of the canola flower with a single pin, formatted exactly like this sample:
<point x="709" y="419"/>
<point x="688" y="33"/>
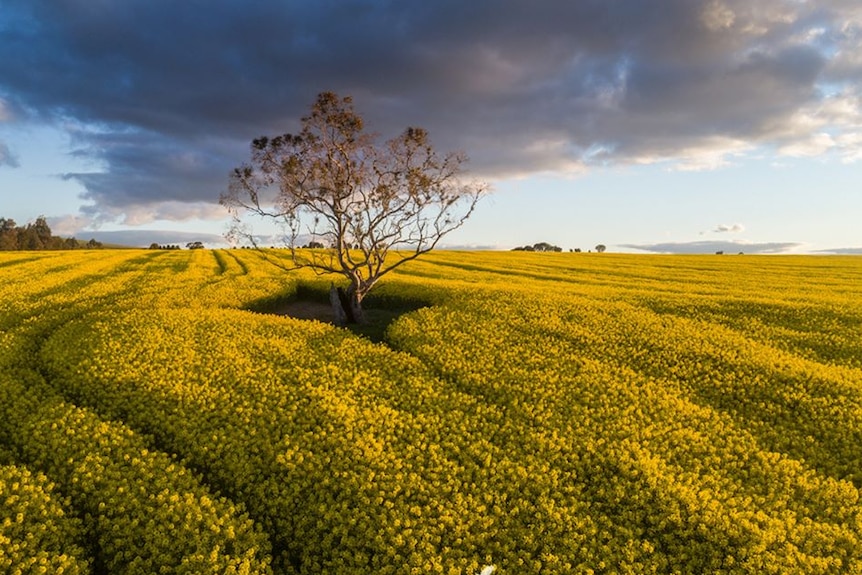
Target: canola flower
<point x="548" y="413"/>
<point x="149" y="513"/>
<point x="143" y="511"/>
<point x="37" y="534"/>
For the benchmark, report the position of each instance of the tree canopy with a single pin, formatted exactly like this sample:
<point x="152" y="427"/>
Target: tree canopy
<point x="372" y="207"/>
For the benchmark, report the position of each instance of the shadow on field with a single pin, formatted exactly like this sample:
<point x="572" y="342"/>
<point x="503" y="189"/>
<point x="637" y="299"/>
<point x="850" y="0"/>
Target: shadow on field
<point x="311" y="302"/>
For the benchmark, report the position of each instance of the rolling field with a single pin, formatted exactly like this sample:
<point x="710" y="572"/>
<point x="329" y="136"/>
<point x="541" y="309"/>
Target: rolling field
<point x="541" y="413"/>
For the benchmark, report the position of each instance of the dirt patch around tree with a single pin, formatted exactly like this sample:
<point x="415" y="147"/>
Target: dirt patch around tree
<point x="377" y="319"/>
<point x="305" y="309"/>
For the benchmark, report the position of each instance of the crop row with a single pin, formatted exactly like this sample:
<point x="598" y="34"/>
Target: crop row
<point x="37" y="534"/>
<point x="145" y="512"/>
<point x="266" y="412"/>
<point x="141" y="510"/>
<point x="661" y="383"/>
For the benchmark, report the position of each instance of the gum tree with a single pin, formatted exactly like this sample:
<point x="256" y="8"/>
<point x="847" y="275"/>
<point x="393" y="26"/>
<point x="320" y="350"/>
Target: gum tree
<point x="372" y="206"/>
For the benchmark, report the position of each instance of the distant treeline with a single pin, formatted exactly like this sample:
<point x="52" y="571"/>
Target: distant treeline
<point x="190" y="245"/>
<point x="37" y="236"/>
<point x="539" y="247"/>
<point x="546" y="247"/>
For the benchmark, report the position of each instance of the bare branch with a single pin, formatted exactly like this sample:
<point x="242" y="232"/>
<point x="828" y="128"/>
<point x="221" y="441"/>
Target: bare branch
<point x="375" y="207"/>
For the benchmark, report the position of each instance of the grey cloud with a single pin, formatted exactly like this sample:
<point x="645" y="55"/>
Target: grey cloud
<point x="724" y="228"/>
<point x="841" y="251"/>
<point x="148" y="168"/>
<point x="7" y="158"/>
<point x="711" y="247"/>
<point x="174" y="94"/>
<point x="473" y="247"/>
<point x="7" y="115"/>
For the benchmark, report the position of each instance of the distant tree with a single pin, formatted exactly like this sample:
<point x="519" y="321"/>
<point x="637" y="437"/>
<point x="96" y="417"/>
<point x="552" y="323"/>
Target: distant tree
<point x="8" y="234"/>
<point x="195" y="246"/>
<point x="29" y="238"/>
<point x="546" y="247"/>
<point x="93" y="244"/>
<point x="601" y="248"/>
<point x="42" y="231"/>
<point x="333" y="181"/>
<point x="539" y="247"/>
<point x="155" y="246"/>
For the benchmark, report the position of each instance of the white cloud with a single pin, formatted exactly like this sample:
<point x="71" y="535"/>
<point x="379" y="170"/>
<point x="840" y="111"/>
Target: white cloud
<point x="171" y="211"/>
<point x="69" y="225"/>
<point x="830" y="126"/>
<point x="717" y="15"/>
<point x="851" y="147"/>
<point x="811" y="146"/>
<point x="174" y="212"/>
<point x="707" y="154"/>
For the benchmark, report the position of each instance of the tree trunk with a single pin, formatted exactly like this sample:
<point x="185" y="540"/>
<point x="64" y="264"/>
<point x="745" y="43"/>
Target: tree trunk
<point x="337" y="308"/>
<point x="347" y="305"/>
<point x="352" y="302"/>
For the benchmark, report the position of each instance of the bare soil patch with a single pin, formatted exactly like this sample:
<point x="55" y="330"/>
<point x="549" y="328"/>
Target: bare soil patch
<point x="305" y="309"/>
<point x="377" y="319"/>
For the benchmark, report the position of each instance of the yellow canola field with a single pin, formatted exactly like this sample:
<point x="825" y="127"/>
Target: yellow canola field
<point x="543" y="413"/>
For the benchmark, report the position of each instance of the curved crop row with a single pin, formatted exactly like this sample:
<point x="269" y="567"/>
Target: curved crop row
<point x="626" y="378"/>
<point x="36" y="532"/>
<point x="311" y="448"/>
<point x="145" y="511"/>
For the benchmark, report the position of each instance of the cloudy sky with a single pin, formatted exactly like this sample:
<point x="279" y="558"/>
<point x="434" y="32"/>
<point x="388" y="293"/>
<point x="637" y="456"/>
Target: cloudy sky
<point x="657" y="125"/>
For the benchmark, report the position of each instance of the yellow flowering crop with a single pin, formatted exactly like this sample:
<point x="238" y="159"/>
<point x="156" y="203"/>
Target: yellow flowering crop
<point x="544" y="413"/>
<point x="36" y="531"/>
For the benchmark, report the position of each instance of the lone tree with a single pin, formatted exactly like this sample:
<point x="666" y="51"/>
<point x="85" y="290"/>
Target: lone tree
<point x="373" y="206"/>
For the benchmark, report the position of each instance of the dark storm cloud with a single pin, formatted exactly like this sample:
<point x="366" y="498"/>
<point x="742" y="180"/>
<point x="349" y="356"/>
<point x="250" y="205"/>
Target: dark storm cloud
<point x="167" y="95"/>
<point x="147" y="169"/>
